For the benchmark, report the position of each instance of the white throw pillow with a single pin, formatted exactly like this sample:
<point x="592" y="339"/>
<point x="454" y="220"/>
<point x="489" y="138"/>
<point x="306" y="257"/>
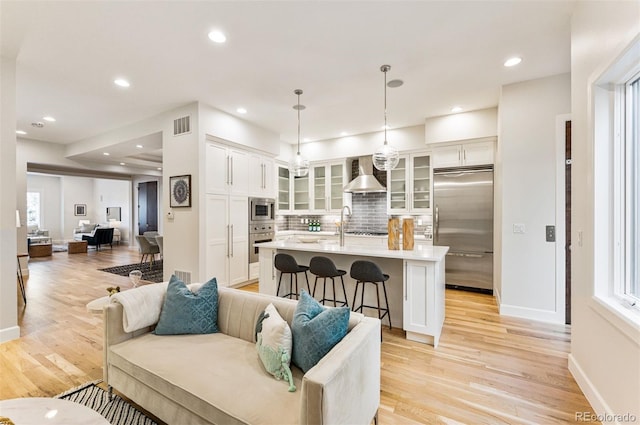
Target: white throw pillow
<point x="274" y="342"/>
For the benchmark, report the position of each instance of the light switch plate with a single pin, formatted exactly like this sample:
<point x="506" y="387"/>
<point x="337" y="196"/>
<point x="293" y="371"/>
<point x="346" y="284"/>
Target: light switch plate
<point x="550" y="232"/>
<point x="518" y="228"/>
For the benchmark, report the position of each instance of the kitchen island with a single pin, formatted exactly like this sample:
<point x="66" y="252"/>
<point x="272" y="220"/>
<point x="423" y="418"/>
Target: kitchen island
<point x="415" y="287"/>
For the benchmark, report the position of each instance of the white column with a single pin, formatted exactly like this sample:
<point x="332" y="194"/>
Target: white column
<point x="8" y="286"/>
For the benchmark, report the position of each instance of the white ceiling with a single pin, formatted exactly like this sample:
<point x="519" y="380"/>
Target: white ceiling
<point x="447" y="52"/>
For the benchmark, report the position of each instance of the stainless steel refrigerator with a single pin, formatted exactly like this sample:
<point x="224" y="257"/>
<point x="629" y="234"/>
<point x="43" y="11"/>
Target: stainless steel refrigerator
<point x="463" y="221"/>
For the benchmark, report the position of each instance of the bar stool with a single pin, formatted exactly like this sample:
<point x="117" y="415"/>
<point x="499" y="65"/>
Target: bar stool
<point x="286" y="264"/>
<point x="368" y="272"/>
<point x="324" y="268"/>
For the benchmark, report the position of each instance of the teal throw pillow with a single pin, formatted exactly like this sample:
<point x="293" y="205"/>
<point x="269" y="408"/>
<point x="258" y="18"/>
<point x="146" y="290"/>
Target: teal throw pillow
<point x="186" y="312"/>
<point x="273" y="342"/>
<point x="316" y="330"/>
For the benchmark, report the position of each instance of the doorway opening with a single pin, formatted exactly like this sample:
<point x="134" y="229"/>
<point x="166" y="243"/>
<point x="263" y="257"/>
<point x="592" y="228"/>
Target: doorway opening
<point x="147" y="207"/>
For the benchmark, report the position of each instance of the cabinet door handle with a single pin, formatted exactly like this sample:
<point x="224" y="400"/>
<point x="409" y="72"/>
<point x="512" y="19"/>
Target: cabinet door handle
<point x="231" y="170"/>
<point x="405" y="281"/>
<point x="436" y="225"/>
<point x="227" y="241"/>
<point x="228" y="169"/>
<point x="464" y="154"/>
<point x="231" y="241"/>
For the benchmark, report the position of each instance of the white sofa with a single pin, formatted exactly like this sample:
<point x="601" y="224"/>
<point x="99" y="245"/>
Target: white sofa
<point x="219" y="379"/>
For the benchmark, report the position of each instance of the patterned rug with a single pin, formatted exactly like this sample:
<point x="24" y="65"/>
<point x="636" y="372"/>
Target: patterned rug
<point x="150" y="274"/>
<point x="117" y="411"/>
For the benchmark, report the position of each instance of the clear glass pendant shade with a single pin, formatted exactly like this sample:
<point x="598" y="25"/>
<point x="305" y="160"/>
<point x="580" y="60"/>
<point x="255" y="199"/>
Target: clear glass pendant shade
<point x="386" y="158"/>
<point x="299" y="166"/>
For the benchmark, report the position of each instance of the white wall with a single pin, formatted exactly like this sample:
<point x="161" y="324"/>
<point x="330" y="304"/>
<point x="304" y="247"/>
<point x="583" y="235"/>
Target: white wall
<point x="114" y="193"/>
<point x="406" y="138"/>
<point x="463" y="126"/>
<point x="527" y="172"/>
<point x="604" y="359"/>
<point x="49" y="188"/>
<point x="8" y="236"/>
<point x="76" y="190"/>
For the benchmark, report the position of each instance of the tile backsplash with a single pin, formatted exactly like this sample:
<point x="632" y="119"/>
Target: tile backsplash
<point x="369" y="214"/>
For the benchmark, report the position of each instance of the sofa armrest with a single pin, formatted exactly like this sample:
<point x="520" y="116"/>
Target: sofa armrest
<point x="114" y="333"/>
<point x="344" y="387"/>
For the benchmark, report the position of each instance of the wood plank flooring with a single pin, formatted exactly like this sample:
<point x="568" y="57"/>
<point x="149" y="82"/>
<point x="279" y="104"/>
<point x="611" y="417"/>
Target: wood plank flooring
<point x="487" y="369"/>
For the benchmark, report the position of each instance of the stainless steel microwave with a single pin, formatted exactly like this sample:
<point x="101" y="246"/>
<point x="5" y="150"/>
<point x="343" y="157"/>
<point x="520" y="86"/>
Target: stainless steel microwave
<point x="262" y="209"/>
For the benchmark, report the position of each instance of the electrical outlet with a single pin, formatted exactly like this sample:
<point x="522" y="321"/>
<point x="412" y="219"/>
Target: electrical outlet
<point x="519" y="228"/>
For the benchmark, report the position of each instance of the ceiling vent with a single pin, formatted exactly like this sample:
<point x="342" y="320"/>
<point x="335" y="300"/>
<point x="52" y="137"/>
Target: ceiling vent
<point x="182" y="125"/>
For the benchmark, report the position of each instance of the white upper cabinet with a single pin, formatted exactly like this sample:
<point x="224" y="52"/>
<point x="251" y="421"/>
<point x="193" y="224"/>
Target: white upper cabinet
<point x="409" y="185"/>
<point x="261" y="181"/>
<point x="476" y="153"/>
<point x="327" y="182"/>
<point x="227" y="170"/>
<point x="283" y="182"/>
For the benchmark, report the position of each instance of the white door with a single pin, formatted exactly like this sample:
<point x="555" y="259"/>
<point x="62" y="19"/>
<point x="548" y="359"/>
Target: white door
<point x="477" y="153"/>
<point x="239" y="172"/>
<point x="239" y="239"/>
<point x="447" y="156"/>
<point x="269" y="179"/>
<point x="217" y="231"/>
<point x="217" y="176"/>
<point x="256" y="175"/>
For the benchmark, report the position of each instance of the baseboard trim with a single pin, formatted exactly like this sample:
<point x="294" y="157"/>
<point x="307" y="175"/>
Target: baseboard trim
<point x="531" y="313"/>
<point x="590" y="392"/>
<point x="9" y="334"/>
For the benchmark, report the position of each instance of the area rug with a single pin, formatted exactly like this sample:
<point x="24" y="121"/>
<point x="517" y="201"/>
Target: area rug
<point x="150" y="274"/>
<point x="117" y="411"/>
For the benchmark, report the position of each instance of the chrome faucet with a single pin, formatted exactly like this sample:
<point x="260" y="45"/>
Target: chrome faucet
<point x="342" y="223"/>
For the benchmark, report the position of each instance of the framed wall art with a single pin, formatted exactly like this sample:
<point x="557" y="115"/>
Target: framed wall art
<point x="180" y="191"/>
<point x="80" y="209"/>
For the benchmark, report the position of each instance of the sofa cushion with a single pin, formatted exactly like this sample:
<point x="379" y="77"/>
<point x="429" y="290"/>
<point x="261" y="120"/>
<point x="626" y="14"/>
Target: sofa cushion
<point x="316" y="330"/>
<point x="274" y="342"/>
<point x="216" y="376"/>
<point x="186" y="312"/>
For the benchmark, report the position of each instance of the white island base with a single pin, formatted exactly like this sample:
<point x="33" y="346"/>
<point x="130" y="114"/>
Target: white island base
<point x="415" y="288"/>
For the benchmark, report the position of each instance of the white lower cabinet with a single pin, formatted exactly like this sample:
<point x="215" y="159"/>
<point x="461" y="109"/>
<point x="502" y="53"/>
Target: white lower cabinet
<point x="227" y="239"/>
<point x="423" y="301"/>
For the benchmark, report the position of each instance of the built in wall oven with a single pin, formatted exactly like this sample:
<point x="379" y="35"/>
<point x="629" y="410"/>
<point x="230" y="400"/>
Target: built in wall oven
<point x="259" y="232"/>
<point x="262" y="209"/>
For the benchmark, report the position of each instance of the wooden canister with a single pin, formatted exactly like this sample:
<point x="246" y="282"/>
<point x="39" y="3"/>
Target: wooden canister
<point x="407" y="234"/>
<point x="393" y="241"/>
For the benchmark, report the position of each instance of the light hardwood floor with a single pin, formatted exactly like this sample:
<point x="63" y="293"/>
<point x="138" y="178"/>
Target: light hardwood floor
<point x="488" y="369"/>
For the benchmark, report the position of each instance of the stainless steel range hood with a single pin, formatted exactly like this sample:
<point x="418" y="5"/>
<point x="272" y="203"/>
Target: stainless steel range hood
<point x="365" y="182"/>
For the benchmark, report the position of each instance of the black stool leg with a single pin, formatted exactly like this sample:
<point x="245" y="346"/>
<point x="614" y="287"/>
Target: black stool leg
<point x="355" y="294"/>
<point x="315" y="283"/>
<point x="344" y="291"/>
<point x="378" y="297"/>
<point x="307" y="278"/>
<point x="279" y="281"/>
<point x="333" y="281"/>
<point x="386" y="300"/>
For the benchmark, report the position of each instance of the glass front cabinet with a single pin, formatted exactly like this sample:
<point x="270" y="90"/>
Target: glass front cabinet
<point x="409" y="185"/>
<point x="284" y="182"/>
<point x="328" y="181"/>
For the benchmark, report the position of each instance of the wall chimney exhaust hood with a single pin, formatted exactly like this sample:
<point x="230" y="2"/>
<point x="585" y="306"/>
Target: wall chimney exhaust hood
<point x="365" y="182"/>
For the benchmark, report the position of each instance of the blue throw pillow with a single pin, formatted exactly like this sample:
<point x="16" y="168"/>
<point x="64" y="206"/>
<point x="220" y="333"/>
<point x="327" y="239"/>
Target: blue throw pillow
<point x="316" y="330"/>
<point x="185" y="312"/>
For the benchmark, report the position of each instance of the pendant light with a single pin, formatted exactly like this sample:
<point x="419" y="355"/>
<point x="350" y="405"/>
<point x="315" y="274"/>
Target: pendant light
<point x="299" y="166"/>
<point x="386" y="157"/>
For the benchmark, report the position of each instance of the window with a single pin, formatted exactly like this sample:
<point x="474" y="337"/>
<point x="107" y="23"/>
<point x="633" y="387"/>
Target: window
<point x="631" y="178"/>
<point x="616" y="109"/>
<point x="33" y="209"/>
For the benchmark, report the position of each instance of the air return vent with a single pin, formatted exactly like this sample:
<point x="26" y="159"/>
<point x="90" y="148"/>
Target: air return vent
<point x="182" y="125"/>
<point x="183" y="276"/>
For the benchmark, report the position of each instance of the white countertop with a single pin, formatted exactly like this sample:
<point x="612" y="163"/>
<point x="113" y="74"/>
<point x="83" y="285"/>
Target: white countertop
<point x="424" y="253"/>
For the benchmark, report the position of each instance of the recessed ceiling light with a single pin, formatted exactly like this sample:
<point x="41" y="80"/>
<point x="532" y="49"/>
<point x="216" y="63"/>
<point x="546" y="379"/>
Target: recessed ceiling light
<point x="139" y="146"/>
<point x="388" y="127"/>
<point x="344" y="133"/>
<point x="21" y="132"/>
<point x="306" y="139"/>
<point x="122" y="163"/>
<point x="105" y="153"/>
<point x="456" y="109"/>
<point x="49" y="118"/>
<point x="512" y="61"/>
<point x="159" y="168"/>
<point x="241" y="110"/>
<point x="217" y="37"/>
<point x="121" y="82"/>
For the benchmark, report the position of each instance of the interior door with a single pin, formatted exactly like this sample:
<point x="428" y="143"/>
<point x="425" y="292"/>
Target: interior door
<point x="147" y="207"/>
